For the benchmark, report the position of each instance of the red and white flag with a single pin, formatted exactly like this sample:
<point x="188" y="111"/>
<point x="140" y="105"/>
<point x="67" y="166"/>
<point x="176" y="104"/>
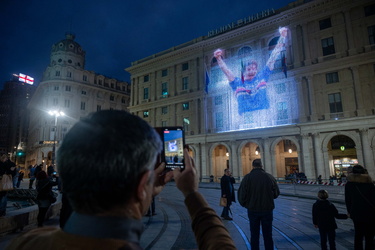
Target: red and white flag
<point x="25" y="78"/>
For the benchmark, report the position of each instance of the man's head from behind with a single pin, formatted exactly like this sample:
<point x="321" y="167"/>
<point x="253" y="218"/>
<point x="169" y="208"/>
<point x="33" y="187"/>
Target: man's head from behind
<point x="103" y="159"/>
<point x="257" y="163"/>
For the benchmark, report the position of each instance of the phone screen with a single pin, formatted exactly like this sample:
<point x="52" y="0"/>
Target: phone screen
<point x="173" y="147"/>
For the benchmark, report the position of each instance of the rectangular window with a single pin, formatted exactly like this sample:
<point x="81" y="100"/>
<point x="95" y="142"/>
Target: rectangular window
<point x="69" y="74"/>
<point x="335" y="104"/>
<point x="219" y="120"/>
<point x="146" y="78"/>
<point x="83" y="105"/>
<point x="370" y="10"/>
<point x="371" y="34"/>
<point x="325" y="23"/>
<point x="328" y="46"/>
<point x="112" y="85"/>
<point x="185" y="66"/>
<point x="164" y="72"/>
<point x="84" y="78"/>
<point x="98" y="107"/>
<point x="57" y="73"/>
<point x="164" y="89"/>
<point x="145" y="113"/>
<point x="67" y="103"/>
<point x="123" y="100"/>
<point x="186" y="123"/>
<point x="56" y="88"/>
<point x="164" y="110"/>
<point x="185" y="83"/>
<point x="332" y="77"/>
<point x="185" y="106"/>
<point x="163" y="123"/>
<point x="83" y="92"/>
<point x="218" y="100"/>
<point x="100" y="82"/>
<point x="55" y="101"/>
<point x="145" y="93"/>
<point x="68" y="88"/>
<point x="280" y="88"/>
<point x="111" y="97"/>
<point x="282" y="111"/>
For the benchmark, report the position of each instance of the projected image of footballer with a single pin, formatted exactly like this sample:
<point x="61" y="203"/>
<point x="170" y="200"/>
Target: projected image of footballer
<point x="250" y="88"/>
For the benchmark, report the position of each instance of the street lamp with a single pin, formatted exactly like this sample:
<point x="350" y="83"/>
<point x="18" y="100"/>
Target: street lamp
<point x="55" y="113"/>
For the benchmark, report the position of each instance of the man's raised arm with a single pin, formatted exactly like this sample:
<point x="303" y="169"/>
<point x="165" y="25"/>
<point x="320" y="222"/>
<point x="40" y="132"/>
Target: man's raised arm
<point x="218" y="55"/>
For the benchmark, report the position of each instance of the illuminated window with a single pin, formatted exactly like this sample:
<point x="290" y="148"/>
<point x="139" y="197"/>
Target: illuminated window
<point x="146" y="78"/>
<point x="371" y="34"/>
<point x="185" y="66"/>
<point x="83" y="105"/>
<point x="185" y="83"/>
<point x="145" y="113"/>
<point x="325" y="24"/>
<point x="185" y="106"/>
<point x="218" y="100"/>
<point x="282" y="111"/>
<point x="164" y="110"/>
<point x="219" y="120"/>
<point x="328" y="46"/>
<point x="332" y="77"/>
<point x="245" y="52"/>
<point x="57" y="73"/>
<point x="370" y="10"/>
<point x="164" y="89"/>
<point x="68" y="88"/>
<point x="335" y="104"/>
<point x="111" y="97"/>
<point x="98" y="107"/>
<point x="164" y="72"/>
<point x="145" y="93"/>
<point x="84" y="78"/>
<point x="67" y="103"/>
<point x="186" y="123"/>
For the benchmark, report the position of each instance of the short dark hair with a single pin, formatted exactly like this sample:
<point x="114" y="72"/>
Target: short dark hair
<point x="323" y="194"/>
<point x="103" y="157"/>
<point x="358" y="169"/>
<point x="257" y="163"/>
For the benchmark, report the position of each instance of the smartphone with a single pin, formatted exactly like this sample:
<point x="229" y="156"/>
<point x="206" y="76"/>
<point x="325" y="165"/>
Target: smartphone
<point x="173" y="147"/>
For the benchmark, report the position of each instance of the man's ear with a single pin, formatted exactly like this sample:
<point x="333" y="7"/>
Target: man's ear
<point x="141" y="189"/>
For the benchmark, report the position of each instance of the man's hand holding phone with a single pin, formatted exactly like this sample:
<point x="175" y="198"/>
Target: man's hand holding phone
<point x="187" y="180"/>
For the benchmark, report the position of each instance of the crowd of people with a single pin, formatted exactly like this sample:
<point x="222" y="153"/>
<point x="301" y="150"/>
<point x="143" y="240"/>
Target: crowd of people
<point x="103" y="210"/>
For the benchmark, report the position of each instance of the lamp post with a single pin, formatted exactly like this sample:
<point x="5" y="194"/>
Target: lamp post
<point x="55" y="113"/>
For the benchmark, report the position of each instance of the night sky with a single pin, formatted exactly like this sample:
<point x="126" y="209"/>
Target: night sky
<point x="113" y="33"/>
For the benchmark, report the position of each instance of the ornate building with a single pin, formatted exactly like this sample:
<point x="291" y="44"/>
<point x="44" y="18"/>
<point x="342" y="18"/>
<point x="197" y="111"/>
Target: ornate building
<point x="70" y="89"/>
<point x="309" y="108"/>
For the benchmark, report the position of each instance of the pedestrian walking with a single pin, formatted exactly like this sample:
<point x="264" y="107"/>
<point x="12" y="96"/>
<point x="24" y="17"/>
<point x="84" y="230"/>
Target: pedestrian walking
<point x="257" y="192"/>
<point x="323" y="216"/>
<point x="227" y="191"/>
<point x="360" y="204"/>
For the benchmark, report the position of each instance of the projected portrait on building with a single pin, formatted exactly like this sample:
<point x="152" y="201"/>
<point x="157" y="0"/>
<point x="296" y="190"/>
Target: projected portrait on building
<point x="249" y="88"/>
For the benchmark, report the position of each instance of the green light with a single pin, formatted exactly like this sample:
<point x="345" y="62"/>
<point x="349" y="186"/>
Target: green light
<point x="342" y="148"/>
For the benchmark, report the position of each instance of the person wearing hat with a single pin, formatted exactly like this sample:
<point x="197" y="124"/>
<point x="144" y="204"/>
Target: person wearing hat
<point x="360" y="204"/>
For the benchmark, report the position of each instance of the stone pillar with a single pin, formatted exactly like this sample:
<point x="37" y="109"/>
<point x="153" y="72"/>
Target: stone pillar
<point x="267" y="156"/>
<point x="307" y="154"/>
<point x="306" y="46"/>
<point x="318" y="156"/>
<point x="368" y="160"/>
<point x="349" y="34"/>
<point x="234" y="162"/>
<point x="357" y="92"/>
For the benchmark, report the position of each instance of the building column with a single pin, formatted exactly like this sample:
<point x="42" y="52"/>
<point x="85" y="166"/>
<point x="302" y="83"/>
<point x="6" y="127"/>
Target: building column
<point x="349" y="34"/>
<point x="357" y="92"/>
<point x="368" y="159"/>
<point x="306" y="46"/>
<point x="233" y="163"/>
<point x="307" y="156"/>
<point x="267" y="154"/>
<point x="318" y="155"/>
<point x="311" y="96"/>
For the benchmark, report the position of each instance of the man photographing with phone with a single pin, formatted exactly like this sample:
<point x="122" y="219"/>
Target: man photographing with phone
<point x="119" y="151"/>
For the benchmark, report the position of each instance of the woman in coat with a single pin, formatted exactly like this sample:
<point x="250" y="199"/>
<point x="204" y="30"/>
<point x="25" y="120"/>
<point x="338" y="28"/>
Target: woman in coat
<point x="360" y="203"/>
<point x="227" y="191"/>
<point x="45" y="195"/>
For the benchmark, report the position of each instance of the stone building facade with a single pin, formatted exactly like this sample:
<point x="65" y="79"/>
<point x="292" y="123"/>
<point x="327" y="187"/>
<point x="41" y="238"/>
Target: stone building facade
<point x="69" y="88"/>
<point x="321" y="115"/>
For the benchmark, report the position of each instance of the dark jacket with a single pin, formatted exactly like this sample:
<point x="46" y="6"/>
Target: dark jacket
<point x="227" y="188"/>
<point x="257" y="191"/>
<point x="44" y="188"/>
<point x="324" y="214"/>
<point x="360" y="197"/>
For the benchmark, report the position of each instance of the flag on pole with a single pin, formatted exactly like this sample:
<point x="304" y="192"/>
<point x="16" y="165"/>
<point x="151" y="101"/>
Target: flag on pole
<point x="242" y="70"/>
<point x="207" y="81"/>
<point x="25" y="78"/>
<point x="283" y="63"/>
